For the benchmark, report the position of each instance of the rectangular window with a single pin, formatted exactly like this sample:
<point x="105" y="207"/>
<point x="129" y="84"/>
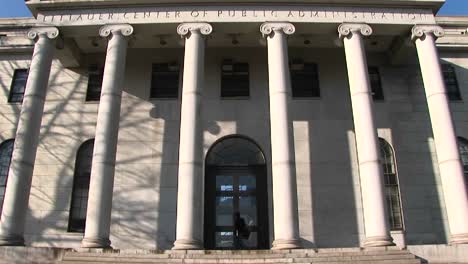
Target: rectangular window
<point x="165" y="80"/>
<point x="95" y="75"/>
<point x="451" y="83"/>
<point x="234" y="79"/>
<point x="304" y="79"/>
<point x="18" y="86"/>
<point x="376" y="84"/>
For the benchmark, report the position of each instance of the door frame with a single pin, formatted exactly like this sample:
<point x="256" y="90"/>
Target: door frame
<point x="261" y="194"/>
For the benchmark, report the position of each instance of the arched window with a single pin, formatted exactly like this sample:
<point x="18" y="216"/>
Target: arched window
<point x="463" y="147"/>
<point x="392" y="189"/>
<point x="235" y="151"/>
<point x="79" y="203"/>
<point x="6" y="149"/>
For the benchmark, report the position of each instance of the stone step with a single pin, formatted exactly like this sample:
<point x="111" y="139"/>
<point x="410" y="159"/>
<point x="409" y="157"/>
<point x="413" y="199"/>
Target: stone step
<point x="408" y="261"/>
<point x="133" y="262"/>
<point x="310" y="256"/>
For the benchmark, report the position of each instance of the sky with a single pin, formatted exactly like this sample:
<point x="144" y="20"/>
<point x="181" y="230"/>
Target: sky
<point x="17" y="8"/>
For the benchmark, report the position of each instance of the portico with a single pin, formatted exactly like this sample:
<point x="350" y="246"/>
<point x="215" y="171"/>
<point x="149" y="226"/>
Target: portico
<point x="276" y="31"/>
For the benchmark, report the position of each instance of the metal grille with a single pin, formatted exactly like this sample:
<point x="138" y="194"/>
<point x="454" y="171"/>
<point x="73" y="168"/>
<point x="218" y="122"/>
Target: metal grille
<point x="6" y="150"/>
<point x="392" y="189"/>
<point x="18" y="86"/>
<point x="79" y="203"/>
<point x="165" y="80"/>
<point x="376" y="84"/>
<point x="304" y="79"/>
<point x="451" y="83"/>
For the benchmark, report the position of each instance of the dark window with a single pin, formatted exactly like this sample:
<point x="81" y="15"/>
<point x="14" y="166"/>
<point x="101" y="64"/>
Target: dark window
<point x="81" y="178"/>
<point x="375" y="83"/>
<point x="392" y="189"/>
<point x="165" y="80"/>
<point x="6" y="150"/>
<point x="18" y="85"/>
<point x="304" y="79"/>
<point x="463" y="148"/>
<point x="451" y="83"/>
<point x="234" y="79"/>
<point x="95" y="76"/>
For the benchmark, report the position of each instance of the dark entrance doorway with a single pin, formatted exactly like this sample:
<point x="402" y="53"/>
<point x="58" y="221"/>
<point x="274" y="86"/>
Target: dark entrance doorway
<point x="235" y="182"/>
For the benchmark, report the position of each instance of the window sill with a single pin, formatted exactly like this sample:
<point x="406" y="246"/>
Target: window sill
<point x="234" y="98"/>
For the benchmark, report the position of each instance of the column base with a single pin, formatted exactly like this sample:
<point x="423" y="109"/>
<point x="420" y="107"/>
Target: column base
<point x="12" y="240"/>
<point x="95" y="243"/>
<point x="378" y="241"/>
<point x="459" y="239"/>
<point x="187" y="244"/>
<point x="286" y="244"/>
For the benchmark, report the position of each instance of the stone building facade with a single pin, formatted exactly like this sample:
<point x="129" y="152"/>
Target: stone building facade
<point x="157" y="122"/>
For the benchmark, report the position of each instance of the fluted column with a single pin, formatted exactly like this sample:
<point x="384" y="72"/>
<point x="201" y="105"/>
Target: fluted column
<point x="101" y="185"/>
<point x="370" y="169"/>
<point x="190" y="181"/>
<point x="286" y="221"/>
<point x="27" y="136"/>
<point x="450" y="166"/>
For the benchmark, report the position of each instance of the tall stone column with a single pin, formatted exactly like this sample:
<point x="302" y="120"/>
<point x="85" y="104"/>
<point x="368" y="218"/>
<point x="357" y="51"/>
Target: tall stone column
<point x="27" y="136"/>
<point x="370" y="169"/>
<point x="189" y="228"/>
<point x="101" y="185"/>
<point x="450" y="166"/>
<point x="286" y="221"/>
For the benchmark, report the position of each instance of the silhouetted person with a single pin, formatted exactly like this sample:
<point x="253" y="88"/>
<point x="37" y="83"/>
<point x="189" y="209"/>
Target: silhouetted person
<point x="241" y="231"/>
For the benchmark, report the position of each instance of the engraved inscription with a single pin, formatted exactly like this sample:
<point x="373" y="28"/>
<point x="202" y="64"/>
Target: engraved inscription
<point x="235" y="14"/>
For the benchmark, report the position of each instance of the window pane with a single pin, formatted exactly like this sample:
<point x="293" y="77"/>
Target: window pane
<point x="463" y="148"/>
<point x="79" y="203"/>
<point x="224" y="183"/>
<point x="6" y="150"/>
<point x="248" y="209"/>
<point x="304" y="79"/>
<point x="95" y="76"/>
<point x="376" y="84"/>
<point x="224" y="210"/>
<point x="234" y="79"/>
<point x="451" y="83"/>
<point x="18" y="86"/>
<point x="247" y="183"/>
<point x="165" y="80"/>
<point x="224" y="239"/>
<point x="235" y="151"/>
<point x="392" y="189"/>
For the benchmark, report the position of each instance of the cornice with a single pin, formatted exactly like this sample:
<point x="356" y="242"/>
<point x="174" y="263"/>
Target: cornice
<point x="36" y="5"/>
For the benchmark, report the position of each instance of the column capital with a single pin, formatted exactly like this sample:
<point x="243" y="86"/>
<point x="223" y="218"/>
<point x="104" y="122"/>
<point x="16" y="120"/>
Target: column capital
<point x="269" y="27"/>
<point x="185" y="28"/>
<point x="123" y="29"/>
<point x="346" y="29"/>
<point x="49" y="32"/>
<point x="419" y="31"/>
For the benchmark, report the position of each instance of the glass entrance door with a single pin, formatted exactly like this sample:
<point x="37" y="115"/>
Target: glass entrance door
<point x="235" y="193"/>
<point x="236" y="190"/>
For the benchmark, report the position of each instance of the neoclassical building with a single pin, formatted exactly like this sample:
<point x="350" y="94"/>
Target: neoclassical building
<point x="150" y="124"/>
